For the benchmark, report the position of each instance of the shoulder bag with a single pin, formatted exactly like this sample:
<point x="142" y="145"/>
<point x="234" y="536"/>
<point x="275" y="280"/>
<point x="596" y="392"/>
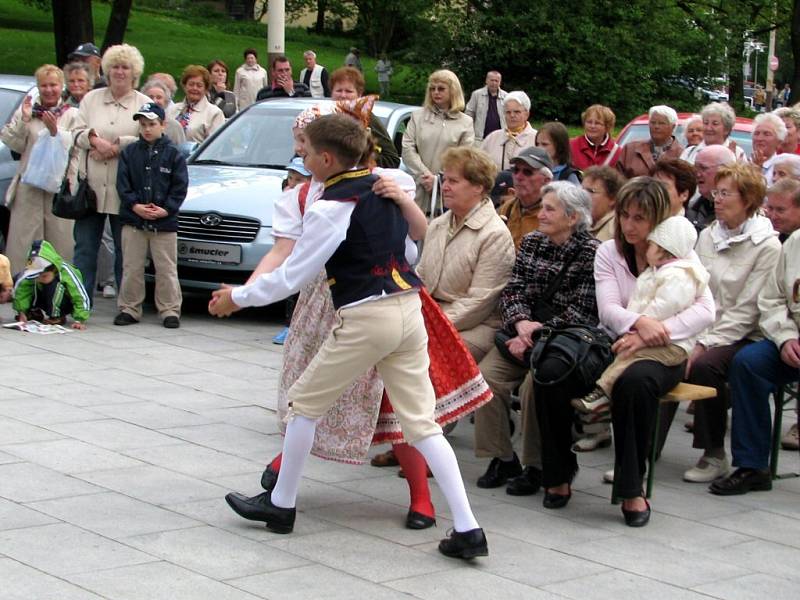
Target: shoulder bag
<point x="584" y="350"/>
<point x="80" y="204"/>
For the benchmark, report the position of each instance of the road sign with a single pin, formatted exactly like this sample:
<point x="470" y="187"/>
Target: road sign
<point x="774" y="63"/>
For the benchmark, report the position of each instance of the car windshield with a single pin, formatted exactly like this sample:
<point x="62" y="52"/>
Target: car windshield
<point x="254" y="139"/>
<point x="8" y="102"/>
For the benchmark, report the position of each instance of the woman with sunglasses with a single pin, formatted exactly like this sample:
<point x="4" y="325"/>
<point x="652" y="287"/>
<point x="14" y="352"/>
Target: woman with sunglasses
<point x="440" y="124"/>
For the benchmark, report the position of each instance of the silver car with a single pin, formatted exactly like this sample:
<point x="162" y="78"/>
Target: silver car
<point x="225" y="224"/>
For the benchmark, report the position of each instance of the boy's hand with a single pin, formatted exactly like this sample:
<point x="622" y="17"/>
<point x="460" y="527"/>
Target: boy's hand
<point x="143" y="211"/>
<point x="221" y="303"/>
<point x="79" y="325"/>
<point x="158" y="212"/>
<point x="22" y="317"/>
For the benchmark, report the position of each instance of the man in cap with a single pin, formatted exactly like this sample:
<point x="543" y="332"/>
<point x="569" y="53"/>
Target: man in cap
<point x="530" y="171"/>
<point x="90" y="54"/>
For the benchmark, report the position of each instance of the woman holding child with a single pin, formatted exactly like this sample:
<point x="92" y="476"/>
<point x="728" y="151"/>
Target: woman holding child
<point x="642" y="204"/>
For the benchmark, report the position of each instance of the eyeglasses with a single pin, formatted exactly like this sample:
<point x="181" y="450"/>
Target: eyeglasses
<point x="723" y="194"/>
<point x="526" y="171"/>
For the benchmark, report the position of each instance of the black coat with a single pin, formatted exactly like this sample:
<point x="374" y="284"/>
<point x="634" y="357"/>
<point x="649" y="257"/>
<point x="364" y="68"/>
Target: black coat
<point x="154" y="173"/>
<point x="300" y="91"/>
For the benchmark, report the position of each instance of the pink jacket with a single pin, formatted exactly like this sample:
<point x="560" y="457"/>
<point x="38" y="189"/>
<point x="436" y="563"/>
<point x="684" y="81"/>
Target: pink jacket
<point x="614" y="285"/>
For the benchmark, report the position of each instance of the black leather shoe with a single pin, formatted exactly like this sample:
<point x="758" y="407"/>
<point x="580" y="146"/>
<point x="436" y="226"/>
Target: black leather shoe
<point x="555" y="500"/>
<point x="269" y="478"/>
<point x="260" y="508"/>
<point x="467" y="544"/>
<point x="742" y="481"/>
<point x="124" y="318"/>
<point x="416" y="520"/>
<point x="499" y="472"/>
<point x="526" y="484"/>
<point x="172" y="322"/>
<point x="637" y="518"/>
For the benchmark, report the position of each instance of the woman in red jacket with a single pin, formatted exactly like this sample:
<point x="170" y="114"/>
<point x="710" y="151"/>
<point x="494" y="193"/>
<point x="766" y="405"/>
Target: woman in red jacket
<point x="595" y="147"/>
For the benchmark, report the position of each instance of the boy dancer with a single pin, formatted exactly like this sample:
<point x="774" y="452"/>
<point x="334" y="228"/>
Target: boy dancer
<point x="360" y="240"/>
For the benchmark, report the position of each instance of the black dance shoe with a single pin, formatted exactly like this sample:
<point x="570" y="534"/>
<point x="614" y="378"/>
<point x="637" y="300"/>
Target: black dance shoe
<point x="526" y="484"/>
<point x="467" y="544"/>
<point x="261" y="508"/>
<point x="269" y="478"/>
<point x="416" y="520"/>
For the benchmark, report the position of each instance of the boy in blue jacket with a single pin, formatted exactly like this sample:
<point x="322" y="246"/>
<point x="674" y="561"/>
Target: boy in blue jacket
<point x="152" y="180"/>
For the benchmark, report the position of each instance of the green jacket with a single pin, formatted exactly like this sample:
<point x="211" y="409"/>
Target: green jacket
<point x="70" y="281"/>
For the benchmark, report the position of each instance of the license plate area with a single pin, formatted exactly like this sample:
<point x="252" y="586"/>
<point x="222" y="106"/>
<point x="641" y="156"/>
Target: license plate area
<point x="209" y="253"/>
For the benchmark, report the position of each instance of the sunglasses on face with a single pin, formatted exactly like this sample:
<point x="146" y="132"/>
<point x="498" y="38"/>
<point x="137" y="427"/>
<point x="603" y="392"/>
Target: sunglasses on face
<point x="526" y="171"/>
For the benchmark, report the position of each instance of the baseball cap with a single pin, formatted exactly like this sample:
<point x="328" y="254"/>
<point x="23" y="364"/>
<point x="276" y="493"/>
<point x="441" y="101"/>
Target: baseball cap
<point x="502" y="182"/>
<point x="87" y="49"/>
<point x="535" y="157"/>
<point x="151" y="111"/>
<point x="296" y="164"/>
<point x="34" y="267"/>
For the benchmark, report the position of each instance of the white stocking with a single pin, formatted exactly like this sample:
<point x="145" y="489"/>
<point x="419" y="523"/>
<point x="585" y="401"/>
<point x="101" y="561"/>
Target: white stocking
<point x="296" y="447"/>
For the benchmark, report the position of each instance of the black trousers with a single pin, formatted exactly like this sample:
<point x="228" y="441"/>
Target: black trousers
<point x="634" y="402"/>
<point x="50" y="302"/>
<point x="555" y="413"/>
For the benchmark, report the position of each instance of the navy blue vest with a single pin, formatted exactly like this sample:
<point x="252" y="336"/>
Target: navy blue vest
<point x="371" y="259"/>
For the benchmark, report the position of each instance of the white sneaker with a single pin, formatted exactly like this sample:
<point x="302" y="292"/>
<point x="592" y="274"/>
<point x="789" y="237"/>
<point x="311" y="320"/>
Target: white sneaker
<point x="591" y="442"/>
<point x="109" y="291"/>
<point x="608" y="476"/>
<point x="707" y="470"/>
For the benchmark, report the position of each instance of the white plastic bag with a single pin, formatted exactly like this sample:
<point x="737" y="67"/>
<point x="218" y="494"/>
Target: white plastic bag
<point x="48" y="161"/>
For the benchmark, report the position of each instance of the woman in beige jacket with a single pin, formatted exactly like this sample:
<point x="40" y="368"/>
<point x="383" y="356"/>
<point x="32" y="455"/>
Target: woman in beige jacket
<point x="249" y="79"/>
<point x="31" y="208"/>
<point x="504" y="144"/>
<point x="468" y="252"/>
<point x="434" y="128"/>
<point x="107" y="126"/>
<point x="198" y="117"/>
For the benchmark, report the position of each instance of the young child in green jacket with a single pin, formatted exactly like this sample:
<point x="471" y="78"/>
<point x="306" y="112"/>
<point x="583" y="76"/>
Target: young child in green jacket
<point x="50" y="289"/>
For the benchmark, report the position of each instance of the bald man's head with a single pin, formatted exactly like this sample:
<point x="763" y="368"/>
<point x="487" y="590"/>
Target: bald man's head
<point x="706" y="165"/>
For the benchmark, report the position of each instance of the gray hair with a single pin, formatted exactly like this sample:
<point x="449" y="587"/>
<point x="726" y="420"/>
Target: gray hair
<point x="574" y="200"/>
<point x="777" y="124"/>
<point x="721" y="155"/>
<point x="310" y="53"/>
<point x="791" y="163"/>
<point x="156" y="83"/>
<point x="788" y="112"/>
<point x="664" y="111"/>
<point x="520" y="97"/>
<point x="79" y="66"/>
<point x="723" y="111"/>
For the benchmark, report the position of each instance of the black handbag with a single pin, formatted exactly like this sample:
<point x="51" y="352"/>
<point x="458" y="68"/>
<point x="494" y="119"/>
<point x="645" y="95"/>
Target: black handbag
<point x="584" y="350"/>
<point x="78" y="205"/>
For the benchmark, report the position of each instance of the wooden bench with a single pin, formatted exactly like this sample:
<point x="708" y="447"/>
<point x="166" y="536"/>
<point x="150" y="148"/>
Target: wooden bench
<point x="683" y="392"/>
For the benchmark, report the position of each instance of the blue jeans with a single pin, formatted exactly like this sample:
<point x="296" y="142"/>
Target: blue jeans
<point x="88" y="233"/>
<point x="756" y="372"/>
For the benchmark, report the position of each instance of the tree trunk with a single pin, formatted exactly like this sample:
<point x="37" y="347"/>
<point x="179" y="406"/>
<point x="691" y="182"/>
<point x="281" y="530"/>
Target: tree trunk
<point x="735" y="63"/>
<point x="72" y="26"/>
<point x="795" y="52"/>
<point x="117" y="23"/>
<point x="319" y="26"/>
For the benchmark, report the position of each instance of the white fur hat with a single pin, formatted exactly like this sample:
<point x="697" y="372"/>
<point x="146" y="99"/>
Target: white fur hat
<point x="676" y="235"/>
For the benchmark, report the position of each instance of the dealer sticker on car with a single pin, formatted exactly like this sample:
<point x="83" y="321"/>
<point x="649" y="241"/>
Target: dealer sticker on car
<point x="228" y="254"/>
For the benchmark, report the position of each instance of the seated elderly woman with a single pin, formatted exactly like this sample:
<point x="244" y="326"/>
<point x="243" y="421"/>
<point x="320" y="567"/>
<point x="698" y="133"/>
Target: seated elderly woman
<point x="740" y="250"/>
<point x="198" y="117"/>
<point x="642" y="204"/>
<point x="791" y="118"/>
<point x="526" y="304"/>
<point x="639" y="158"/>
<point x="718" y="121"/>
<point x="504" y="144"/>
<point x="602" y="184"/>
<point x="768" y="135"/>
<point x="678" y="177"/>
<point x="786" y="166"/>
<point x="468" y="252"/>
<point x="758" y="370"/>
<point x="595" y="147"/>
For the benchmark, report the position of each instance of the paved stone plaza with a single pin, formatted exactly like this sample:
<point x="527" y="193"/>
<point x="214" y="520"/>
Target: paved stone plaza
<point x="117" y="445"/>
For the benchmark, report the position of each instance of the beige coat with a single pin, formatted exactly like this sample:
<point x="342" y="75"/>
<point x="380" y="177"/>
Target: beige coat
<point x="603" y="229"/>
<point x="779" y="301"/>
<point x="247" y="83"/>
<point x="478" y="107"/>
<point x="739" y="269"/>
<point x="503" y="147"/>
<point x="204" y="119"/>
<point x="467" y="270"/>
<point x="113" y="121"/>
<point x="428" y="134"/>
<point x="32" y="208"/>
